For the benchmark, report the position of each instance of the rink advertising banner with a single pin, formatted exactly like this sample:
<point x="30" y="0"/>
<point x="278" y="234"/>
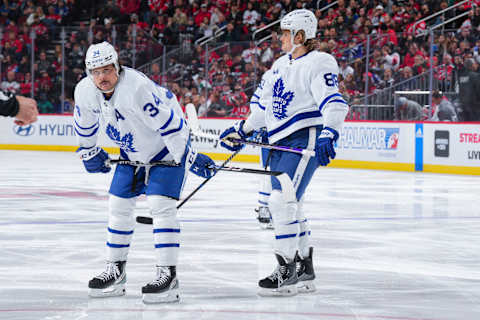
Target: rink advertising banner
<point x="405" y="146"/>
<point x="212" y="146"/>
<point x="50" y="133"/>
<point x="452" y="148"/>
<point x="382" y="145"/>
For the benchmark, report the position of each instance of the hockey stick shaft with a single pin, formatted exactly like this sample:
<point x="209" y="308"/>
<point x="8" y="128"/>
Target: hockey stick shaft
<point x="208" y="179"/>
<point x="195" y="126"/>
<point x="148" y="220"/>
<point x="141" y="164"/>
<point x="248" y="170"/>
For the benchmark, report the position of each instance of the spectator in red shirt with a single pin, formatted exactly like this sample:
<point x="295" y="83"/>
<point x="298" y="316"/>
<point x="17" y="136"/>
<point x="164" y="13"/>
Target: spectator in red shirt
<point x="202" y="14"/>
<point x="14" y="42"/>
<point x="52" y="19"/>
<point x="238" y="102"/>
<point x="26" y="86"/>
<point x="409" y="59"/>
<point x="128" y="7"/>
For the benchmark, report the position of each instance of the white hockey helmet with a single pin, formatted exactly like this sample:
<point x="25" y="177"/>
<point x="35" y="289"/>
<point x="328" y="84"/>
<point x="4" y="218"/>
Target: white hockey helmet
<point x="100" y="55"/>
<point x="300" y="19"/>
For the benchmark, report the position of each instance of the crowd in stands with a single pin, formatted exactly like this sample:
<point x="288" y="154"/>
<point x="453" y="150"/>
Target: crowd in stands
<point x="219" y="79"/>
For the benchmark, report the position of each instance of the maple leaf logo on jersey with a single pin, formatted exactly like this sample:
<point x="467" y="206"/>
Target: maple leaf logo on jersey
<point x="281" y="99"/>
<point x="125" y="143"/>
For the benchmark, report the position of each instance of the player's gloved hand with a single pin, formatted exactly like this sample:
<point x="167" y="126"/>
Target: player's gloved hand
<point x="94" y="159"/>
<point x="324" y="147"/>
<point x="237" y="131"/>
<point x="203" y="166"/>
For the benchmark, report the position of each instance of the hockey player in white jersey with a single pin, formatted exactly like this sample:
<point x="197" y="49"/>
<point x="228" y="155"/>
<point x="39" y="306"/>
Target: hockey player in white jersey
<point x="147" y="123"/>
<point x="305" y="111"/>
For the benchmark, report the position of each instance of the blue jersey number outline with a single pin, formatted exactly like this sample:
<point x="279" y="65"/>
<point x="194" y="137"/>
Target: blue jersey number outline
<point x="331" y="79"/>
<point x="153" y="111"/>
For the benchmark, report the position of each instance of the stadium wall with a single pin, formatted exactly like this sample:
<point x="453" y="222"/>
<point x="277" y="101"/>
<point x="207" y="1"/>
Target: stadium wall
<point x="452" y="148"/>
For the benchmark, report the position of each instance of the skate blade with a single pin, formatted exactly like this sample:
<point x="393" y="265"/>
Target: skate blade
<point x="306" y="286"/>
<point x="165" y="297"/>
<point x="285" y="291"/>
<point x="113" y="291"/>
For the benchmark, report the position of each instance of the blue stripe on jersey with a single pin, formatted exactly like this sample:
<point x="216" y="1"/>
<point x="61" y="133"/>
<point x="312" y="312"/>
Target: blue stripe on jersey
<point x="263" y="202"/>
<point x="165" y="230"/>
<point x="324" y="102"/>
<point x="298" y="117"/>
<point x="168" y="121"/>
<point x="285" y="236"/>
<point x="119" y="231"/>
<point x="264" y="193"/>
<point x="167" y="245"/>
<point x="173" y="130"/>
<point x="294" y="222"/>
<point x="160" y="155"/>
<point x="303" y="233"/>
<point x="338" y="100"/>
<point x="256" y="96"/>
<point x="86" y="135"/>
<point x="80" y="127"/>
<point x="113" y="245"/>
<point x="258" y="104"/>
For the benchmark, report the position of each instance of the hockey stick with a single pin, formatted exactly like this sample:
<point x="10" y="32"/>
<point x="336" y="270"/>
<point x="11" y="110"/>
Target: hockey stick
<point x="195" y="126"/>
<point x="222" y="167"/>
<point x="148" y="220"/>
<point x="141" y="164"/>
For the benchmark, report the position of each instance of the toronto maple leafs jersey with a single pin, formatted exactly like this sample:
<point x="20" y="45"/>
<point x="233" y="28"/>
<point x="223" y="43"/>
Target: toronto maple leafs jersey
<point x="262" y="95"/>
<point x="297" y="94"/>
<point x="142" y="118"/>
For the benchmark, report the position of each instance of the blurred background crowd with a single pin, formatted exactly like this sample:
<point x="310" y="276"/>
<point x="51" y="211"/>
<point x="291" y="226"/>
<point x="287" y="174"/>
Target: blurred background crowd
<point x="212" y="53"/>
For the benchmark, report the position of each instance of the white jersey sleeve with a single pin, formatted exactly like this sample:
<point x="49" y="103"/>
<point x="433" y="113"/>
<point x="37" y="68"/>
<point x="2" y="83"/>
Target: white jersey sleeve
<point x="261" y="98"/>
<point x="162" y="113"/>
<point x="86" y="114"/>
<point x="324" y="88"/>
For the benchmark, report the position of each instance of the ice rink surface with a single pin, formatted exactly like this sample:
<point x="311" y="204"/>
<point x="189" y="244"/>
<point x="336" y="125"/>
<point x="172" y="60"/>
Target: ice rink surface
<point x="388" y="245"/>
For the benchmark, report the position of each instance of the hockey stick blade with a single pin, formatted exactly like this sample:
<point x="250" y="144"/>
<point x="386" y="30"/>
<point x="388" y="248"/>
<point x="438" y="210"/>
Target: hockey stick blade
<point x="195" y="126"/>
<point x="144" y="220"/>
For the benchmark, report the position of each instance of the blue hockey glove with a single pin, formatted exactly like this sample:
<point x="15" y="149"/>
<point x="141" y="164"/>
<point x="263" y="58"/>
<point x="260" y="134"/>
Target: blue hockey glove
<point x="324" y="148"/>
<point x="234" y="132"/>
<point x="203" y="166"/>
<point x="94" y="159"/>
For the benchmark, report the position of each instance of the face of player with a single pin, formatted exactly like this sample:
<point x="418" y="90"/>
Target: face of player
<point x="286" y="42"/>
<point x="105" y="78"/>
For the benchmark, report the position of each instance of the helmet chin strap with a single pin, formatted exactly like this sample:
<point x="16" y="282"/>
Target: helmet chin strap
<point x="294" y="46"/>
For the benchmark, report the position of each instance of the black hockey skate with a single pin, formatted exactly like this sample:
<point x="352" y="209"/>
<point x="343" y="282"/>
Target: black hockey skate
<point x="305" y="273"/>
<point x="110" y="283"/>
<point x="264" y="217"/>
<point x="283" y="281"/>
<point x="164" y="288"/>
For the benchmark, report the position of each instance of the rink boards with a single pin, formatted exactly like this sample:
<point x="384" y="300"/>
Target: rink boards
<point x="404" y="146"/>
